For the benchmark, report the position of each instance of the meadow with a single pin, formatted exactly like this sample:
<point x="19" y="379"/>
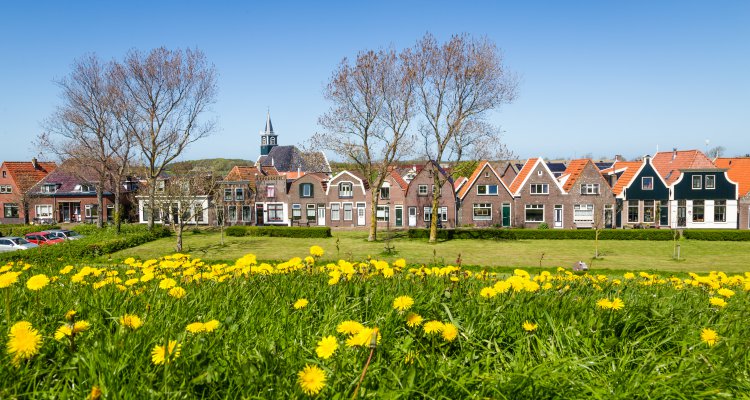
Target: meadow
<point x="178" y="327"/>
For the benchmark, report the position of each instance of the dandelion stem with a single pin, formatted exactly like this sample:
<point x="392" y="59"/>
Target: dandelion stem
<point x="373" y="345"/>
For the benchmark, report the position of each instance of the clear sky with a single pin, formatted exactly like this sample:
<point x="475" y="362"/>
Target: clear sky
<point x="598" y="77"/>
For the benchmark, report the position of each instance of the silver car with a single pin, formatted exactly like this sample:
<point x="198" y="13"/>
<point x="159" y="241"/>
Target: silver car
<point x="64" y="234"/>
<point x="12" y="243"/>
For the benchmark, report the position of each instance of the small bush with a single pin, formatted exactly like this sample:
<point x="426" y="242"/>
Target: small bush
<point x="280" y="231"/>
<point x="717" y="235"/>
<point x="543" y="226"/>
<point x="547" y="234"/>
<point x="20" y="230"/>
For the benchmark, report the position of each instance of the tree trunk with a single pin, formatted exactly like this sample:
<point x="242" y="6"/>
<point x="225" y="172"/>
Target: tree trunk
<point x="100" y="206"/>
<point x="435" y="202"/>
<point x="151" y="202"/>
<point x="374" y="217"/>
<point x="178" y="231"/>
<point x="118" y="209"/>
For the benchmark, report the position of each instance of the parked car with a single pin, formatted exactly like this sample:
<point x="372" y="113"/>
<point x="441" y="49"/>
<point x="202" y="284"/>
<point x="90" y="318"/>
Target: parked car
<point x="13" y="243"/>
<point x="64" y="234"/>
<point x="43" y="238"/>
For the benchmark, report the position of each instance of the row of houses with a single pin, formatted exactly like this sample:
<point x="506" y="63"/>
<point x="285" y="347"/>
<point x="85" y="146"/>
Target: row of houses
<point x="286" y="186"/>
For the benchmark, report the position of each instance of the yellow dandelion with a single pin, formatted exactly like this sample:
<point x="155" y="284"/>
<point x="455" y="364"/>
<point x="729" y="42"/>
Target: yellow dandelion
<point x="300" y="304"/>
<point x="363" y="337"/>
<point x="311" y="379"/>
<point x="211" y="325"/>
<point x="23" y="341"/>
<point x="195" y="327"/>
<point x="488" y="292"/>
<point x="177" y="292"/>
<point x="529" y="326"/>
<point x="166" y="283"/>
<point x="96" y="393"/>
<point x="70" y="314"/>
<point x="400" y="263"/>
<point x="37" y="282"/>
<point x="450" y="332"/>
<point x="725" y="292"/>
<point x="413" y="320"/>
<point x="617" y="304"/>
<point x="433" y="327"/>
<point x="326" y="347"/>
<point x="403" y="303"/>
<point x="717" y="302"/>
<point x="63" y="331"/>
<point x="8" y="279"/>
<point x="709" y="336"/>
<point x="81" y="326"/>
<point x="349" y="327"/>
<point x="604" y="304"/>
<point x="131" y="321"/>
<point x="159" y="356"/>
<point x="316" y="251"/>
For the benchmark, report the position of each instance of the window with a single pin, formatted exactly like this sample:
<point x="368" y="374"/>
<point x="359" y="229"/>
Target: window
<point x="310" y="212"/>
<point x="10" y="210"/>
<point x="482" y="211"/>
<point x="383" y="213"/>
<point x="232" y="214"/>
<point x="227" y="194"/>
<point x="6" y="188"/>
<point x="539" y="188"/>
<point x="239" y="194"/>
<point x="720" y="209"/>
<point x="198" y="212"/>
<point x="632" y="211"/>
<point x="91" y="210"/>
<point x="427" y="214"/>
<point x="306" y="190"/>
<point x="534" y="212"/>
<point x="347" y="211"/>
<point x="647" y="183"/>
<point x="422" y="190"/>
<point x="710" y="181"/>
<point x="85" y="187"/>
<point x="264" y="139"/>
<point x="648" y="211"/>
<point x="335" y="211"/>
<point x="484" y="190"/>
<point x="385" y="192"/>
<point x="160" y="186"/>
<point x="697" y="182"/>
<point x="4" y="174"/>
<point x="583" y="213"/>
<point x="270" y="191"/>
<point x="443" y="213"/>
<point x="589" y="188"/>
<point x="296" y="212"/>
<point x="247" y="213"/>
<point x="49" y="188"/>
<point x="273" y="139"/>
<point x="698" y="210"/>
<point x="275" y="212"/>
<point x="346" y="189"/>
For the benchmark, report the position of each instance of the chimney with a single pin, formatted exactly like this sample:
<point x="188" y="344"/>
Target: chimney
<point x="674" y="153"/>
<point x="34" y="163"/>
<point x="618" y="157"/>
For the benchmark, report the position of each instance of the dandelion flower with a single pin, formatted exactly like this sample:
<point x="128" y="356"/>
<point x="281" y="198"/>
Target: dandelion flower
<point x="300" y="304"/>
<point x="604" y="304"/>
<point x="316" y="251"/>
<point x="529" y="326"/>
<point x="8" y="279"/>
<point x="166" y="283"/>
<point x="37" y="282"/>
<point x="195" y="327"/>
<point x="159" y="356"/>
<point x="131" y="321"/>
<point x="63" y="332"/>
<point x="81" y="326"/>
<point x="450" y="332"/>
<point x="717" y="302"/>
<point x="177" y="292"/>
<point x="400" y="263"/>
<point x="709" y="336"/>
<point x="311" y="379"/>
<point x="433" y="327"/>
<point x="96" y="393"/>
<point x="488" y="292"/>
<point x="211" y="325"/>
<point x="66" y="269"/>
<point x="363" y="337"/>
<point x="349" y="327"/>
<point x="23" y="341"/>
<point x="617" y="304"/>
<point x="414" y="320"/>
<point x="70" y="314"/>
<point x="403" y="303"/>
<point x="326" y="347"/>
<point x="725" y="292"/>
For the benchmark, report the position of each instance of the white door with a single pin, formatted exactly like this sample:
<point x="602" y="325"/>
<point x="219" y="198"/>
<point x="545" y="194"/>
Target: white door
<point x="558" y="216"/>
<point x="361" y="214"/>
<point x="321" y="215"/>
<point x="412" y="216"/>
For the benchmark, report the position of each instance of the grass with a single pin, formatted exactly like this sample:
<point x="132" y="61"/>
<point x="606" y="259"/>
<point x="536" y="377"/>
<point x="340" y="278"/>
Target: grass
<point x="696" y="256"/>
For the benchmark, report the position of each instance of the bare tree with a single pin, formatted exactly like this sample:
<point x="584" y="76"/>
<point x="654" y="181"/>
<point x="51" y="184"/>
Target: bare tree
<point x="83" y="131"/>
<point x="716" y="152"/>
<point x="369" y="119"/>
<point x="166" y="91"/>
<point x="457" y="84"/>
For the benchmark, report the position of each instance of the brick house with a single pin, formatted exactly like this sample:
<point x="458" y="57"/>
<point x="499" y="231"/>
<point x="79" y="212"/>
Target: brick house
<point x="391" y="203"/>
<point x="590" y="202"/>
<point x="484" y="200"/>
<point x="237" y="195"/>
<point x="16" y="179"/>
<point x="271" y="200"/>
<point x="738" y="170"/>
<point x="539" y="196"/>
<point x="185" y="198"/>
<point x="419" y="198"/>
<point x="308" y="200"/>
<point x="348" y="200"/>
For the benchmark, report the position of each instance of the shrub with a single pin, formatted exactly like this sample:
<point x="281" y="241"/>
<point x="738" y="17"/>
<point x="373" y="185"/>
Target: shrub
<point x="20" y="230"/>
<point x="280" y="231"/>
<point x="548" y="234"/>
<point x="717" y="235"/>
<point x="542" y="226"/>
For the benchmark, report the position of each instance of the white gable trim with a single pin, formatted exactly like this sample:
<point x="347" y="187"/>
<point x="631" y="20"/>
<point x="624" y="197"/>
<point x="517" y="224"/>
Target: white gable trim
<point x="533" y="167"/>
<point x="471" y="184"/>
<point x="640" y="169"/>
<point x="361" y="183"/>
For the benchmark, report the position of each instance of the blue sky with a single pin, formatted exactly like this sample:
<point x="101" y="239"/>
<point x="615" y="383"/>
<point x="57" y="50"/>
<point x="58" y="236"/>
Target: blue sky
<point x="597" y="77"/>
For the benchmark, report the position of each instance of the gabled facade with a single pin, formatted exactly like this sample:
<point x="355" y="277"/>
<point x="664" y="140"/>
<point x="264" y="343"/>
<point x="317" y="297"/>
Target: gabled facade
<point x="272" y="201"/>
<point x="308" y="200"/>
<point x="484" y="200"/>
<point x="738" y="170"/>
<point x="419" y="199"/>
<point x="590" y="202"/>
<point x="349" y="203"/>
<point x="539" y="197"/>
<point x="643" y="199"/>
<point x="237" y="192"/>
<point x="185" y="199"/>
<point x="391" y="212"/>
<point x="703" y="199"/>
<point x="16" y="179"/>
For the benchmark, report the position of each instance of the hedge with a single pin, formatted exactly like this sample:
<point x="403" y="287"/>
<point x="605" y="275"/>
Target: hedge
<point x="717" y="235"/>
<point x="280" y="231"/>
<point x="549" y="234"/>
<point x="20" y="230"/>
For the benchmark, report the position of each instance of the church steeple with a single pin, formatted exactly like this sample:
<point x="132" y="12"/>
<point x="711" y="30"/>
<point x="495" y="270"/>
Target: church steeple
<point x="267" y="137"/>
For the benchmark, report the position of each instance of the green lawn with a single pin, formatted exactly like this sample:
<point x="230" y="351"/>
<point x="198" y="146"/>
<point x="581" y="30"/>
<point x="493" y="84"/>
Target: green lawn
<point x="697" y="256"/>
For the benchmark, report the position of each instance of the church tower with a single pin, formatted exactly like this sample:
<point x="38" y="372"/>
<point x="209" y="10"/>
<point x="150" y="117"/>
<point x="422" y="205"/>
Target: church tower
<point x="267" y="137"/>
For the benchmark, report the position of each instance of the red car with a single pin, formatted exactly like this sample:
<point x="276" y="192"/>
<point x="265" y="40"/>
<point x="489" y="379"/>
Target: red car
<point x="42" y="238"/>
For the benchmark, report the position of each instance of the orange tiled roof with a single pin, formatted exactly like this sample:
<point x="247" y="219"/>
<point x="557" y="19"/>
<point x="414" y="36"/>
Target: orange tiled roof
<point x="24" y="174"/>
<point x="243" y="173"/>
<point x="458" y="184"/>
<point x="631" y="167"/>
<point x="522" y="174"/>
<point x="669" y="163"/>
<point x="474" y="175"/>
<point x="399" y="179"/>
<point x="739" y="171"/>
<point x="292" y="175"/>
<point x="574" y="169"/>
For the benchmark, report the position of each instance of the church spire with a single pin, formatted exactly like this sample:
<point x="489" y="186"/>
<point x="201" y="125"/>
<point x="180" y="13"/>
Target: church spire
<point x="267" y="136"/>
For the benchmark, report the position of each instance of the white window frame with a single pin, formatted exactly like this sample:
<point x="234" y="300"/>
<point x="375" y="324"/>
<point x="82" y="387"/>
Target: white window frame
<point x="481" y="206"/>
<point x="278" y="212"/>
<point x="583" y="213"/>
<point x="239" y="194"/>
<point x="306" y="187"/>
<point x="590" y="188"/>
<point x="10" y="206"/>
<point x="636" y="204"/>
<point x="270" y="191"/>
<point x="713" y="182"/>
<point x="720" y="206"/>
<point x="420" y="191"/>
<point x="6" y="188"/>
<point x="383" y="213"/>
<point x="528" y="207"/>
<point x="427" y="213"/>
<point x="385" y="189"/>
<point x="228" y="194"/>
<point x="350" y="211"/>
<point x="697" y="184"/>
<point x="310" y="207"/>
<point x="539" y="188"/>
<point x="232" y="214"/>
<point x="649" y="206"/>
<point x="296" y="212"/>
<point x="702" y="205"/>
<point x="644" y="186"/>
<point x="49" y="188"/>
<point x="487" y="190"/>
<point x="335" y="211"/>
<point x="345" y="192"/>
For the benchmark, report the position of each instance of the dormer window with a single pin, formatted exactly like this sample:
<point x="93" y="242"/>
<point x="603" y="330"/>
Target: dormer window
<point x="84" y="187"/>
<point x="346" y="189"/>
<point x="160" y="186"/>
<point x="49" y="188"/>
<point x="385" y="191"/>
<point x="306" y="190"/>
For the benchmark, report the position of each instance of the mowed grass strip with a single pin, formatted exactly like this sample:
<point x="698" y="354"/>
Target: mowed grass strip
<point x="696" y="256"/>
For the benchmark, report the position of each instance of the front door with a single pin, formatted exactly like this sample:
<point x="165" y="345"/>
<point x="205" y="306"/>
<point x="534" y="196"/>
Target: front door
<point x="506" y="215"/>
<point x="321" y="214"/>
<point x="259" y="214"/>
<point x="361" y="214"/>
<point x="608" y="217"/>
<point x="399" y="216"/>
<point x="558" y="216"/>
<point x="681" y="214"/>
<point x="664" y="215"/>
<point x="412" y="216"/>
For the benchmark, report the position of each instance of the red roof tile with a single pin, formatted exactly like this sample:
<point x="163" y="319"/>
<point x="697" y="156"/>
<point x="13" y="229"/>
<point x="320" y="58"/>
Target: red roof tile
<point x="25" y="175"/>
<point x="669" y="163"/>
<point x="739" y="171"/>
<point x="399" y="179"/>
<point x="474" y="175"/>
<point x="630" y="169"/>
<point x="521" y="177"/>
<point x="574" y="170"/>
